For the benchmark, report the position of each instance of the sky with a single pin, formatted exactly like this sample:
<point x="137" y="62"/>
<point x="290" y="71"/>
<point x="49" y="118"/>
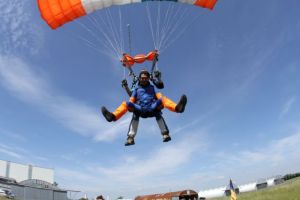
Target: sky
<point x="239" y="66"/>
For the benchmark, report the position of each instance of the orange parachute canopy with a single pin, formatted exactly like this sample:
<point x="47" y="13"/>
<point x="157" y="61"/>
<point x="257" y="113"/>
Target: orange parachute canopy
<point x="128" y="60"/>
<point x="58" y="12"/>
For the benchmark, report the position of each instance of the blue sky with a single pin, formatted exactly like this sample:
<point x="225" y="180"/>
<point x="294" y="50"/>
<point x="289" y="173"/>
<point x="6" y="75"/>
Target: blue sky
<point x="238" y="66"/>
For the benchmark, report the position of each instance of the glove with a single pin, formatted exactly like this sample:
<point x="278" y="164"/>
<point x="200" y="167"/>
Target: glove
<point x="124" y="83"/>
<point x="157" y="74"/>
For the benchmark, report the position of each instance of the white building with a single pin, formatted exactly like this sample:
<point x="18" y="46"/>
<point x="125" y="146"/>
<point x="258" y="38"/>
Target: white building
<point x="248" y="187"/>
<point x="21" y="172"/>
<point x="212" y="193"/>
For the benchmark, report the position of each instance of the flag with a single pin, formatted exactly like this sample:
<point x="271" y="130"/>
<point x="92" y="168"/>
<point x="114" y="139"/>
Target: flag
<point x="232" y="191"/>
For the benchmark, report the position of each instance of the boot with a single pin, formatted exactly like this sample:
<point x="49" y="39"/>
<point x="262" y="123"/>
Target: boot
<point x="166" y="137"/>
<point x="108" y="115"/>
<point x="130" y="141"/>
<point x="181" y="104"/>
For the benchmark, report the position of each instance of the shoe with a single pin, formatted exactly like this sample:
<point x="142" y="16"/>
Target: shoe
<point x="130" y="141"/>
<point x="181" y="104"/>
<point x="166" y="138"/>
<point x="108" y="115"/>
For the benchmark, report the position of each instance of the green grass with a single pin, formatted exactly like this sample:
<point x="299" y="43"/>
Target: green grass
<point x="3" y="198"/>
<point x="289" y="190"/>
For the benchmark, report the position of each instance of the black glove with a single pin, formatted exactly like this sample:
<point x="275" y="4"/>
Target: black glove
<point x="157" y="74"/>
<point x="124" y="83"/>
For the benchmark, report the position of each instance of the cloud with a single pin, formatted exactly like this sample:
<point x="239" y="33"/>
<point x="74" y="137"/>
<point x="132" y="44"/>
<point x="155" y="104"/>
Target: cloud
<point x="276" y="153"/>
<point x="135" y="172"/>
<point x="17" y="31"/>
<point x="23" y="82"/>
<point x="276" y="157"/>
<point x="9" y="151"/>
<point x="287" y="106"/>
<point x="13" y="151"/>
<point x="13" y="135"/>
<point x="162" y="161"/>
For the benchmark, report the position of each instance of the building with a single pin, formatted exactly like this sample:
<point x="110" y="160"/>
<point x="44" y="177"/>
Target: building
<point x="28" y="182"/>
<point x="33" y="190"/>
<point x="178" y="195"/>
<point x="248" y="187"/>
<point x="212" y="193"/>
<point x="22" y="172"/>
<point x="261" y="184"/>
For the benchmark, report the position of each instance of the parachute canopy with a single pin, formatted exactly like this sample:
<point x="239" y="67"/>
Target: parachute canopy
<point x="58" y="12"/>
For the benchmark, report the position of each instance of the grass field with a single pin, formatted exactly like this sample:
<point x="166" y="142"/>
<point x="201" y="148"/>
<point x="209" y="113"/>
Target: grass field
<point x="289" y="190"/>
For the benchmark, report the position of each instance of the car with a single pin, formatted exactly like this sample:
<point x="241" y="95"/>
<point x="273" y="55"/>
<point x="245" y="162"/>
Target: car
<point x="10" y="195"/>
<point x="7" y="193"/>
<point x="3" y="193"/>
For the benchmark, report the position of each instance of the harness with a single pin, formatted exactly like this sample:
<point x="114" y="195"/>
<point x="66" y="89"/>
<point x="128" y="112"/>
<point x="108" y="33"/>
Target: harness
<point x="128" y="62"/>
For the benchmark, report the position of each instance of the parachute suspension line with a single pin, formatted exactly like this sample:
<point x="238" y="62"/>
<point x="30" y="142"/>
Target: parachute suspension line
<point x="121" y="38"/>
<point x="113" y="31"/>
<point x="109" y="38"/>
<point x="150" y="24"/>
<point x="131" y="72"/>
<point x="179" y="23"/>
<point x="165" y="24"/>
<point x="129" y="38"/>
<point x="175" y="25"/>
<point x="107" y="41"/>
<point x="181" y="32"/>
<point x="170" y="24"/>
<point x="158" y="24"/>
<point x="92" y="44"/>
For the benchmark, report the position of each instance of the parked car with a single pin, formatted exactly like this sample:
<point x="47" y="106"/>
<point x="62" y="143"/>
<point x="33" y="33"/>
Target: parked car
<point x="2" y="193"/>
<point x="10" y="195"/>
<point x="7" y="193"/>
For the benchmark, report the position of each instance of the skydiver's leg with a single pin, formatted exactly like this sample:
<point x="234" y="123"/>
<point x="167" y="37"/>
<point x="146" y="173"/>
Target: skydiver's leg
<point x="120" y="111"/>
<point x="133" y="107"/>
<point x="132" y="129"/>
<point x="172" y="106"/>
<point x="156" y="104"/>
<point x="117" y="114"/>
<point x="163" y="127"/>
<point x="108" y="115"/>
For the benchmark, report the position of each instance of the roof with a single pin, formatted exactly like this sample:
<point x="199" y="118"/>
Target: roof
<point x="40" y="184"/>
<point x="167" y="195"/>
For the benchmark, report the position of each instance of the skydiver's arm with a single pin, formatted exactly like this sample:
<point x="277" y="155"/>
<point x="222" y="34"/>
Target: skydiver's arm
<point x="157" y="80"/>
<point x="125" y="86"/>
<point x="158" y="83"/>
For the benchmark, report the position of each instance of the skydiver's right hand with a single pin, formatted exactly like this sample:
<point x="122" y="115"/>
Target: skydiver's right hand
<point x="124" y="83"/>
<point x="157" y="74"/>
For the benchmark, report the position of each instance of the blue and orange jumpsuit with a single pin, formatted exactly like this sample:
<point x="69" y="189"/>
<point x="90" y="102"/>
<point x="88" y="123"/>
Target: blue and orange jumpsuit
<point x="145" y="102"/>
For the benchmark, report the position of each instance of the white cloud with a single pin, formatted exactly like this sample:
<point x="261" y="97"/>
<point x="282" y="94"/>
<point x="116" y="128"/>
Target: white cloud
<point x="17" y="31"/>
<point x="13" y="135"/>
<point x="163" y="161"/>
<point x="135" y="172"/>
<point x="287" y="106"/>
<point x="277" y="157"/>
<point x="9" y="152"/>
<point x="24" y="83"/>
<point x="14" y="152"/>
